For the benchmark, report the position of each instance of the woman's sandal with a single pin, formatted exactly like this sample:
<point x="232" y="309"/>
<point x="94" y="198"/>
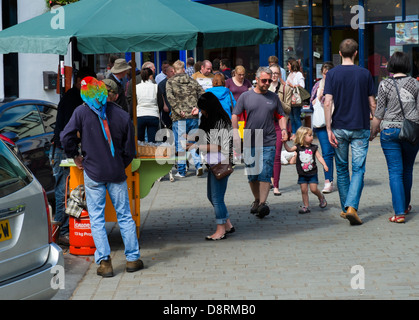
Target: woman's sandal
<point x="397" y="219"/>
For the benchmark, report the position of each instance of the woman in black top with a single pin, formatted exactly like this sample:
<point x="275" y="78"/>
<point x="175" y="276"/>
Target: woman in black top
<point x="217" y="146"/>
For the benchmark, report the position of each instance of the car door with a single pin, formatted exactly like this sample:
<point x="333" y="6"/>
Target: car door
<point x="24" y="227"/>
<point x="33" y="123"/>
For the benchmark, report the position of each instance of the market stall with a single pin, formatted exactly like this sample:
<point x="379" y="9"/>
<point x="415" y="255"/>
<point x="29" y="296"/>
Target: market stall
<point x="145" y="26"/>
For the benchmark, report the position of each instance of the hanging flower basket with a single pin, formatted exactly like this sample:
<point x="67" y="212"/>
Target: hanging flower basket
<point x="51" y="3"/>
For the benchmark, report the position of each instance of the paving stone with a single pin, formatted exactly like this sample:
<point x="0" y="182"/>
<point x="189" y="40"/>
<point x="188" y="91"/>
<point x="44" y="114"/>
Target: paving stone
<point x="284" y="256"/>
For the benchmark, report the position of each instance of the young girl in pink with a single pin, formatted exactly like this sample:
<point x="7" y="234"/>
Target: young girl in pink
<point x="307" y="167"/>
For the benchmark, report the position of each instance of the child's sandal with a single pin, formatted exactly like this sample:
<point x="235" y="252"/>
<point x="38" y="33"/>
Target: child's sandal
<point x="304" y="210"/>
<point x="397" y="219"/>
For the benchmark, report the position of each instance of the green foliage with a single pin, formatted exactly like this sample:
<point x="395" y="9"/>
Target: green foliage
<point x="51" y="3"/>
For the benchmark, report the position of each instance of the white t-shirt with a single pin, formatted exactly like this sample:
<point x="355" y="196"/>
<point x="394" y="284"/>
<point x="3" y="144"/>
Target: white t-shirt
<point x="295" y="78"/>
<point x="147" y="99"/>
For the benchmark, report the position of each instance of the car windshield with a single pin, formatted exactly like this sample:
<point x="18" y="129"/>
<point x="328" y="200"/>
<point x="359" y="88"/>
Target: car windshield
<point x="13" y="176"/>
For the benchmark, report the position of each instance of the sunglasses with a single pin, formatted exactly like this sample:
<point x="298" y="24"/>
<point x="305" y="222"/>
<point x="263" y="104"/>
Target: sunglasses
<point x="266" y="80"/>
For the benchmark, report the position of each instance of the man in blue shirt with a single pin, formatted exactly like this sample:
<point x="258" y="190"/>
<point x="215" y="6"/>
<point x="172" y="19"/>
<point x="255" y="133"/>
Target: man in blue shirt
<point x="352" y="90"/>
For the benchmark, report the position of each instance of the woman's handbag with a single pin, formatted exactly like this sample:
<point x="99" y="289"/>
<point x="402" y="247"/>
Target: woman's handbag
<point x="304" y="94"/>
<point x="221" y="170"/>
<point x="296" y="96"/>
<point x="319" y="120"/>
<point x="410" y="129"/>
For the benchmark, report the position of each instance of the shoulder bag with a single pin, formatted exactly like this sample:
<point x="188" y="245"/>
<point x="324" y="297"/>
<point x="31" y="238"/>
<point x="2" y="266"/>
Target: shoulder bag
<point x="221" y="170"/>
<point x="410" y="129"/>
<point x="319" y="119"/>
<point x="220" y="167"/>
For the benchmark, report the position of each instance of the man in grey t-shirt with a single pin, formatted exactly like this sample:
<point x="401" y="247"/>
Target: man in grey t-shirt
<point x="262" y="108"/>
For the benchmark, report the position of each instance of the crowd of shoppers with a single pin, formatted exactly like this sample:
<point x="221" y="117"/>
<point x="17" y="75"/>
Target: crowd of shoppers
<point x="205" y="110"/>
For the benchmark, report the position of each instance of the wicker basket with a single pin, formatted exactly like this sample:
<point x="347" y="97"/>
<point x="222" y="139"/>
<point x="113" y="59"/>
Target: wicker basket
<point x="154" y="152"/>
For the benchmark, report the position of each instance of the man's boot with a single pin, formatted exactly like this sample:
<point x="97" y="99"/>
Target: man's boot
<point x="133" y="266"/>
<point x="105" y="269"/>
<point x="352" y="216"/>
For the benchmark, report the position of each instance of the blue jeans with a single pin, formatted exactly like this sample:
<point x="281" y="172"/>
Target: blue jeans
<point x="181" y="127"/>
<point x="151" y="124"/>
<point x="96" y="200"/>
<point x="216" y="190"/>
<point x="295" y="118"/>
<point x="328" y="152"/>
<point x="60" y="176"/>
<point x="400" y="157"/>
<point x="259" y="162"/>
<point x="350" y="188"/>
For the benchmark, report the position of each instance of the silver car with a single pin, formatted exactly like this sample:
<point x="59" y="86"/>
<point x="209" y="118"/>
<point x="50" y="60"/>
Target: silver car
<point x="31" y="265"/>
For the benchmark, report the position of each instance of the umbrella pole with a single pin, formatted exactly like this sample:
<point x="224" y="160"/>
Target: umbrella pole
<point x="134" y="94"/>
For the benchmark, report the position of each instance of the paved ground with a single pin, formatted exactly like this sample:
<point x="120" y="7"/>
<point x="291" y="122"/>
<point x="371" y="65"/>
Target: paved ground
<point x="283" y="256"/>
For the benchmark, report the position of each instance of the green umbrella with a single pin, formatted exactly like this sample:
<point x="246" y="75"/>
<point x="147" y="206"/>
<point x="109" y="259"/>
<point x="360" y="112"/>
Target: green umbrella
<point x="114" y="26"/>
<point x="110" y="26"/>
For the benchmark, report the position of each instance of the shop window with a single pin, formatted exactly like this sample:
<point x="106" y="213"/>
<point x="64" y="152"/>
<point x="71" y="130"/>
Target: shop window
<point x="248" y="8"/>
<point x="318" y="54"/>
<point x="295" y="13"/>
<point x="247" y="56"/>
<point x="378" y="45"/>
<point x="317" y="9"/>
<point x="337" y="36"/>
<point x="383" y="40"/>
<point x="382" y="10"/>
<point x="412" y="7"/>
<point x="340" y="11"/>
<point x="296" y="42"/>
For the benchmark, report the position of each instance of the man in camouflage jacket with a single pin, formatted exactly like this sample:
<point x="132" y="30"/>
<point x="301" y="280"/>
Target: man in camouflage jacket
<point x="182" y="93"/>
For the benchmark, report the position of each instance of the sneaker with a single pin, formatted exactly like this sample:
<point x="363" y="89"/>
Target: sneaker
<point x="323" y="203"/>
<point x="304" y="210"/>
<point x="133" y="266"/>
<point x="199" y="172"/>
<point x="178" y="175"/>
<point x="328" y="187"/>
<point x="263" y="210"/>
<point x="254" y="208"/>
<point x="105" y="269"/>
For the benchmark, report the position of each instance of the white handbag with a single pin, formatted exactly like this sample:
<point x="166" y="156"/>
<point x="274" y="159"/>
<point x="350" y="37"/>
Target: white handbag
<point x="318" y="115"/>
<point x="296" y="97"/>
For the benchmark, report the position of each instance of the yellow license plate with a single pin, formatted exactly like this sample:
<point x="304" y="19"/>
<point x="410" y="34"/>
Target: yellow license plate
<point x="5" y="233"/>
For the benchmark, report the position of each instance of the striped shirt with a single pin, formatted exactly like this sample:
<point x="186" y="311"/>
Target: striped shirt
<point x="388" y="105"/>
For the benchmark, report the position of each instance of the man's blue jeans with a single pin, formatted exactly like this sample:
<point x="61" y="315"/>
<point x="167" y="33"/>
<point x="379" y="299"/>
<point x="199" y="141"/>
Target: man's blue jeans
<point x="216" y="190"/>
<point x="400" y="157"/>
<point x="96" y="200"/>
<point x="180" y="128"/>
<point x="328" y="152"/>
<point x="350" y="188"/>
<point x="60" y="176"/>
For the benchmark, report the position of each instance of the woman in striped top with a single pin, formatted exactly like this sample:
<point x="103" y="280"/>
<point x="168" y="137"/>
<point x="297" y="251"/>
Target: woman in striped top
<point x="388" y="118"/>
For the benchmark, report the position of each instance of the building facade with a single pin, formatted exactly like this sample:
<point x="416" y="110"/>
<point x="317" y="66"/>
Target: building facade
<point x="309" y="30"/>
